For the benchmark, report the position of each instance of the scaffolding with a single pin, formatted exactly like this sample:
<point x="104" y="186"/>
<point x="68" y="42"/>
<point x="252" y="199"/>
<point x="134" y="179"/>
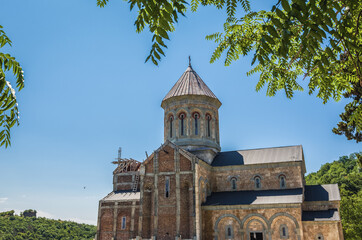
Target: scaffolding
<point x="126" y="165"/>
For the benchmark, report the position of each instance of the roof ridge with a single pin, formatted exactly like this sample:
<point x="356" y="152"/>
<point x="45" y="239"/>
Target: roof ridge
<point x="261" y="148"/>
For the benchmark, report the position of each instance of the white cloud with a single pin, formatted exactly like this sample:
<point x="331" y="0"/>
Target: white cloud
<point x="4" y="199"/>
<point x="78" y="220"/>
<point x="40" y="213"/>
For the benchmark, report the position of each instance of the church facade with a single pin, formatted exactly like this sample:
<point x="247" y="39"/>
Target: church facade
<point x="189" y="189"/>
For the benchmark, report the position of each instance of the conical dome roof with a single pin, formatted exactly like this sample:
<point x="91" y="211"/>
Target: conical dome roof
<point x="189" y="83"/>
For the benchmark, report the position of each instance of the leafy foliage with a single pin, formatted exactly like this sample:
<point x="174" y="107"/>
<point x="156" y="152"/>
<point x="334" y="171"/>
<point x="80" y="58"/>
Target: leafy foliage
<point x="9" y="113"/>
<point x="319" y="40"/>
<point x="351" y="115"/>
<point x="346" y="172"/>
<point x="16" y="227"/>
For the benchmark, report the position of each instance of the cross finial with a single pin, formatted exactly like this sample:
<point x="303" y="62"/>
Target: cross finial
<point x="189" y="61"/>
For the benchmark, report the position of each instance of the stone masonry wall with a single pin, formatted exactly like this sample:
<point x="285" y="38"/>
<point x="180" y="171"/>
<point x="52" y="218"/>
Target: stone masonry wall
<point x="265" y="219"/>
<point x="221" y="178"/>
<point x="328" y="230"/>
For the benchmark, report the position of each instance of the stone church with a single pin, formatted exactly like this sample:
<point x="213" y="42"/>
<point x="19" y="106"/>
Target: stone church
<point x="189" y="189"/>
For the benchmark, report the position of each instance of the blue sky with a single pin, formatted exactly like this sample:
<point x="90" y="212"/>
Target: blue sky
<point x="88" y="92"/>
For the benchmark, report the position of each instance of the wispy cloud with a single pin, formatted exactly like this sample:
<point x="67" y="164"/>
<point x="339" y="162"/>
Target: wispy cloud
<point x="4" y="199"/>
<point x="41" y="213"/>
<point x="78" y="220"/>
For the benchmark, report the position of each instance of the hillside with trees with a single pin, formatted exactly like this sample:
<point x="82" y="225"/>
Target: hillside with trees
<point x="13" y="227"/>
<point x="347" y="173"/>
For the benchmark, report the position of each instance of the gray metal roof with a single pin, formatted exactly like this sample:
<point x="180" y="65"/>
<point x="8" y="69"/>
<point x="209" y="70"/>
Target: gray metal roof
<point x="122" y="196"/>
<point x="326" y="215"/>
<point x="259" y="156"/>
<point x="255" y="197"/>
<point x="326" y="192"/>
<point x="189" y="83"/>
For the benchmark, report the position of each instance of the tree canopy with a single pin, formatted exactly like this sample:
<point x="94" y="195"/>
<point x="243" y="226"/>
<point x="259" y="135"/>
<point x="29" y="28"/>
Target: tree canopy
<point x="346" y="172"/>
<point x="317" y="40"/>
<point x="13" y="227"/>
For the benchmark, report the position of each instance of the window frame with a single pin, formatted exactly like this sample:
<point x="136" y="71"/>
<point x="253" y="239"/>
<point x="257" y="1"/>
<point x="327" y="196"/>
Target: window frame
<point x="227" y="228"/>
<point x="182" y="117"/>
<point x="257" y="182"/>
<point x="282" y="178"/>
<point x="196" y="117"/>
<point x="208" y="126"/>
<point x="282" y="236"/>
<point x="124" y="223"/>
<point x="167" y="187"/>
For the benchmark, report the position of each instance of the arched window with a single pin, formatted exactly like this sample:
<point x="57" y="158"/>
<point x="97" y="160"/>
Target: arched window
<point x="167" y="187"/>
<point x="257" y="182"/>
<point x="283" y="231"/>
<point x="196" y="117"/>
<point x="282" y="181"/>
<point x="123" y="223"/>
<point x="233" y="183"/>
<point x="229" y="233"/>
<point x="171" y="125"/>
<point x="182" y="123"/>
<point x="208" y="119"/>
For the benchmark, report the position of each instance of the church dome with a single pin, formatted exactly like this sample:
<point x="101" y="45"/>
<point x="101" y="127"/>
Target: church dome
<point x="191" y="118"/>
<point x="190" y="83"/>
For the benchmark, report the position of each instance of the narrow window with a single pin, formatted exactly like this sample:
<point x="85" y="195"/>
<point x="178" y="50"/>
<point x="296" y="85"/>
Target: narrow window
<point x="182" y="123"/>
<point x="123" y="222"/>
<point x="171" y="126"/>
<point x="257" y="182"/>
<point x="208" y="118"/>
<point x="282" y="181"/>
<point x="283" y="231"/>
<point x="229" y="232"/>
<point x="233" y="183"/>
<point x="196" y="117"/>
<point x="167" y="187"/>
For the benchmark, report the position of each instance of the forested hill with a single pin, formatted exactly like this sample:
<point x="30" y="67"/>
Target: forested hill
<point x="347" y="173"/>
<point x="13" y="227"/>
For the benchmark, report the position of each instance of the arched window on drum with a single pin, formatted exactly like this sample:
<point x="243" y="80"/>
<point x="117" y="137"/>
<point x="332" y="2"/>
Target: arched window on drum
<point x="208" y="125"/>
<point x="182" y="118"/>
<point x="196" y="117"/>
<point x="170" y="122"/>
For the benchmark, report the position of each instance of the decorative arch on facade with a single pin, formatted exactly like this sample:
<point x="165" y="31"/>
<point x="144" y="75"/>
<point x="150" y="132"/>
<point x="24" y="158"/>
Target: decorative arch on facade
<point x="216" y="229"/>
<point x="287" y="215"/>
<point x="264" y="229"/>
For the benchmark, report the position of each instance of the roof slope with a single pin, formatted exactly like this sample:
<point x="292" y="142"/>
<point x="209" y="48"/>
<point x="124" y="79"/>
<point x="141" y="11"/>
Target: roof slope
<point x="326" y="192"/>
<point x="325" y="215"/>
<point x="255" y="197"/>
<point x="259" y="156"/>
<point x="189" y="83"/>
<point x="122" y="196"/>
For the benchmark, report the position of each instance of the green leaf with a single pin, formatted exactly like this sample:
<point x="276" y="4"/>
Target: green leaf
<point x="272" y="31"/>
<point x="285" y="5"/>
